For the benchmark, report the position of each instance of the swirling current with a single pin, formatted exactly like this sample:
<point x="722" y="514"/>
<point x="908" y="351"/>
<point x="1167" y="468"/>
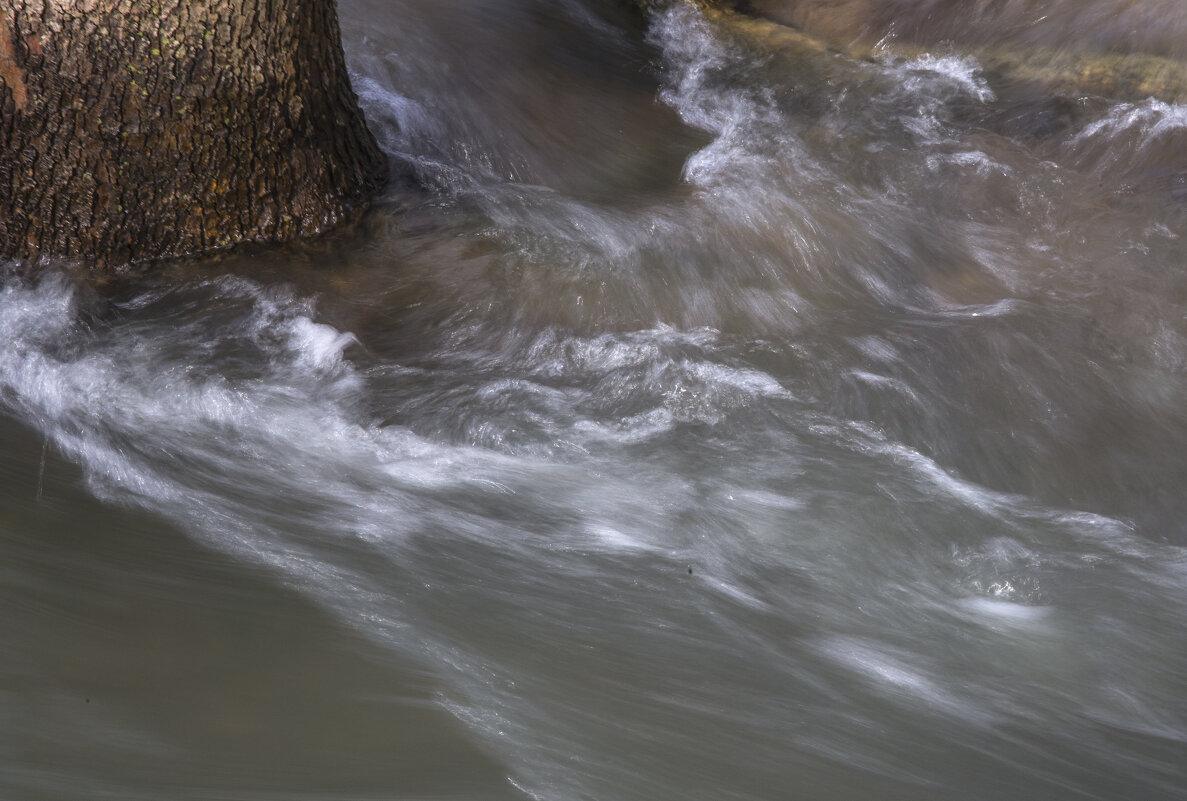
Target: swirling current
<point x="695" y="417"/>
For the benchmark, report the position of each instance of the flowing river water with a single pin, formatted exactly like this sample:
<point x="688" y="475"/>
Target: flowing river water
<point x="693" y="419"/>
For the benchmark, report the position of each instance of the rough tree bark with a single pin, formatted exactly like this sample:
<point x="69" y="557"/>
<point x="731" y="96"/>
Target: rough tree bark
<point x="133" y="130"/>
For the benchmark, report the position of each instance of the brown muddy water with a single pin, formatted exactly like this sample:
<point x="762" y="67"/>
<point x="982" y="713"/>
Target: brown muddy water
<point x="698" y="419"/>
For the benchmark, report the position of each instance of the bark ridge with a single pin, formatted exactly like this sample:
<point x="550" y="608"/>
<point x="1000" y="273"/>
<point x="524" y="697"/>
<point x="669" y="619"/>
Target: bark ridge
<point x="133" y="130"/>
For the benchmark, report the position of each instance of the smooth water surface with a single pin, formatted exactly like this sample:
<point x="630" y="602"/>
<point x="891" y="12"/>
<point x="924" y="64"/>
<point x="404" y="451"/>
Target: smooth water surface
<point x="694" y="418"/>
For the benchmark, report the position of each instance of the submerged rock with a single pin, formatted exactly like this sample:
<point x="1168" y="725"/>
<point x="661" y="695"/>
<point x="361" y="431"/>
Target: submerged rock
<point x="865" y="29"/>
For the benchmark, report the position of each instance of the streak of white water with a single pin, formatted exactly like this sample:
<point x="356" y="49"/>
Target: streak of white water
<point x="844" y="461"/>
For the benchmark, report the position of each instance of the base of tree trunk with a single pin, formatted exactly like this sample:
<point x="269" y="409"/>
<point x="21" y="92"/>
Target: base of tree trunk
<point x="136" y="130"/>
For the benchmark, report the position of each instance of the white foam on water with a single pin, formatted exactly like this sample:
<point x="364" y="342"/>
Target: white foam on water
<point x="896" y="385"/>
<point x="635" y="428"/>
<point x="981" y="163"/>
<point x="1152" y="118"/>
<point x="868" y="439"/>
<point x="961" y="72"/>
<point x="997" y="611"/>
<point x="898" y="676"/>
<point x="318" y="346"/>
<point x="736" y="593"/>
<point x="752" y="141"/>
<point x="748" y="381"/>
<point x="615" y="539"/>
<point x="673" y="374"/>
<point x="802" y="546"/>
<point x="768" y="500"/>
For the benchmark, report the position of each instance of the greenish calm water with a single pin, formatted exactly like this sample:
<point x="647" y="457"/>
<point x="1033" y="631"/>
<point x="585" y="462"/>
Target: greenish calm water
<point x="698" y="420"/>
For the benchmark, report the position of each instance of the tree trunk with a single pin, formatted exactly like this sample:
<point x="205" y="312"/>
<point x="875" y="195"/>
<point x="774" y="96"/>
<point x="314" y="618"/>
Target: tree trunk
<point x="132" y="130"/>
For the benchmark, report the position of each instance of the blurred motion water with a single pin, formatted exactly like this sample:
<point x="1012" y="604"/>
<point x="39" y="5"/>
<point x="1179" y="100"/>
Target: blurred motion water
<point x="698" y="419"/>
<point x="1147" y="26"/>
